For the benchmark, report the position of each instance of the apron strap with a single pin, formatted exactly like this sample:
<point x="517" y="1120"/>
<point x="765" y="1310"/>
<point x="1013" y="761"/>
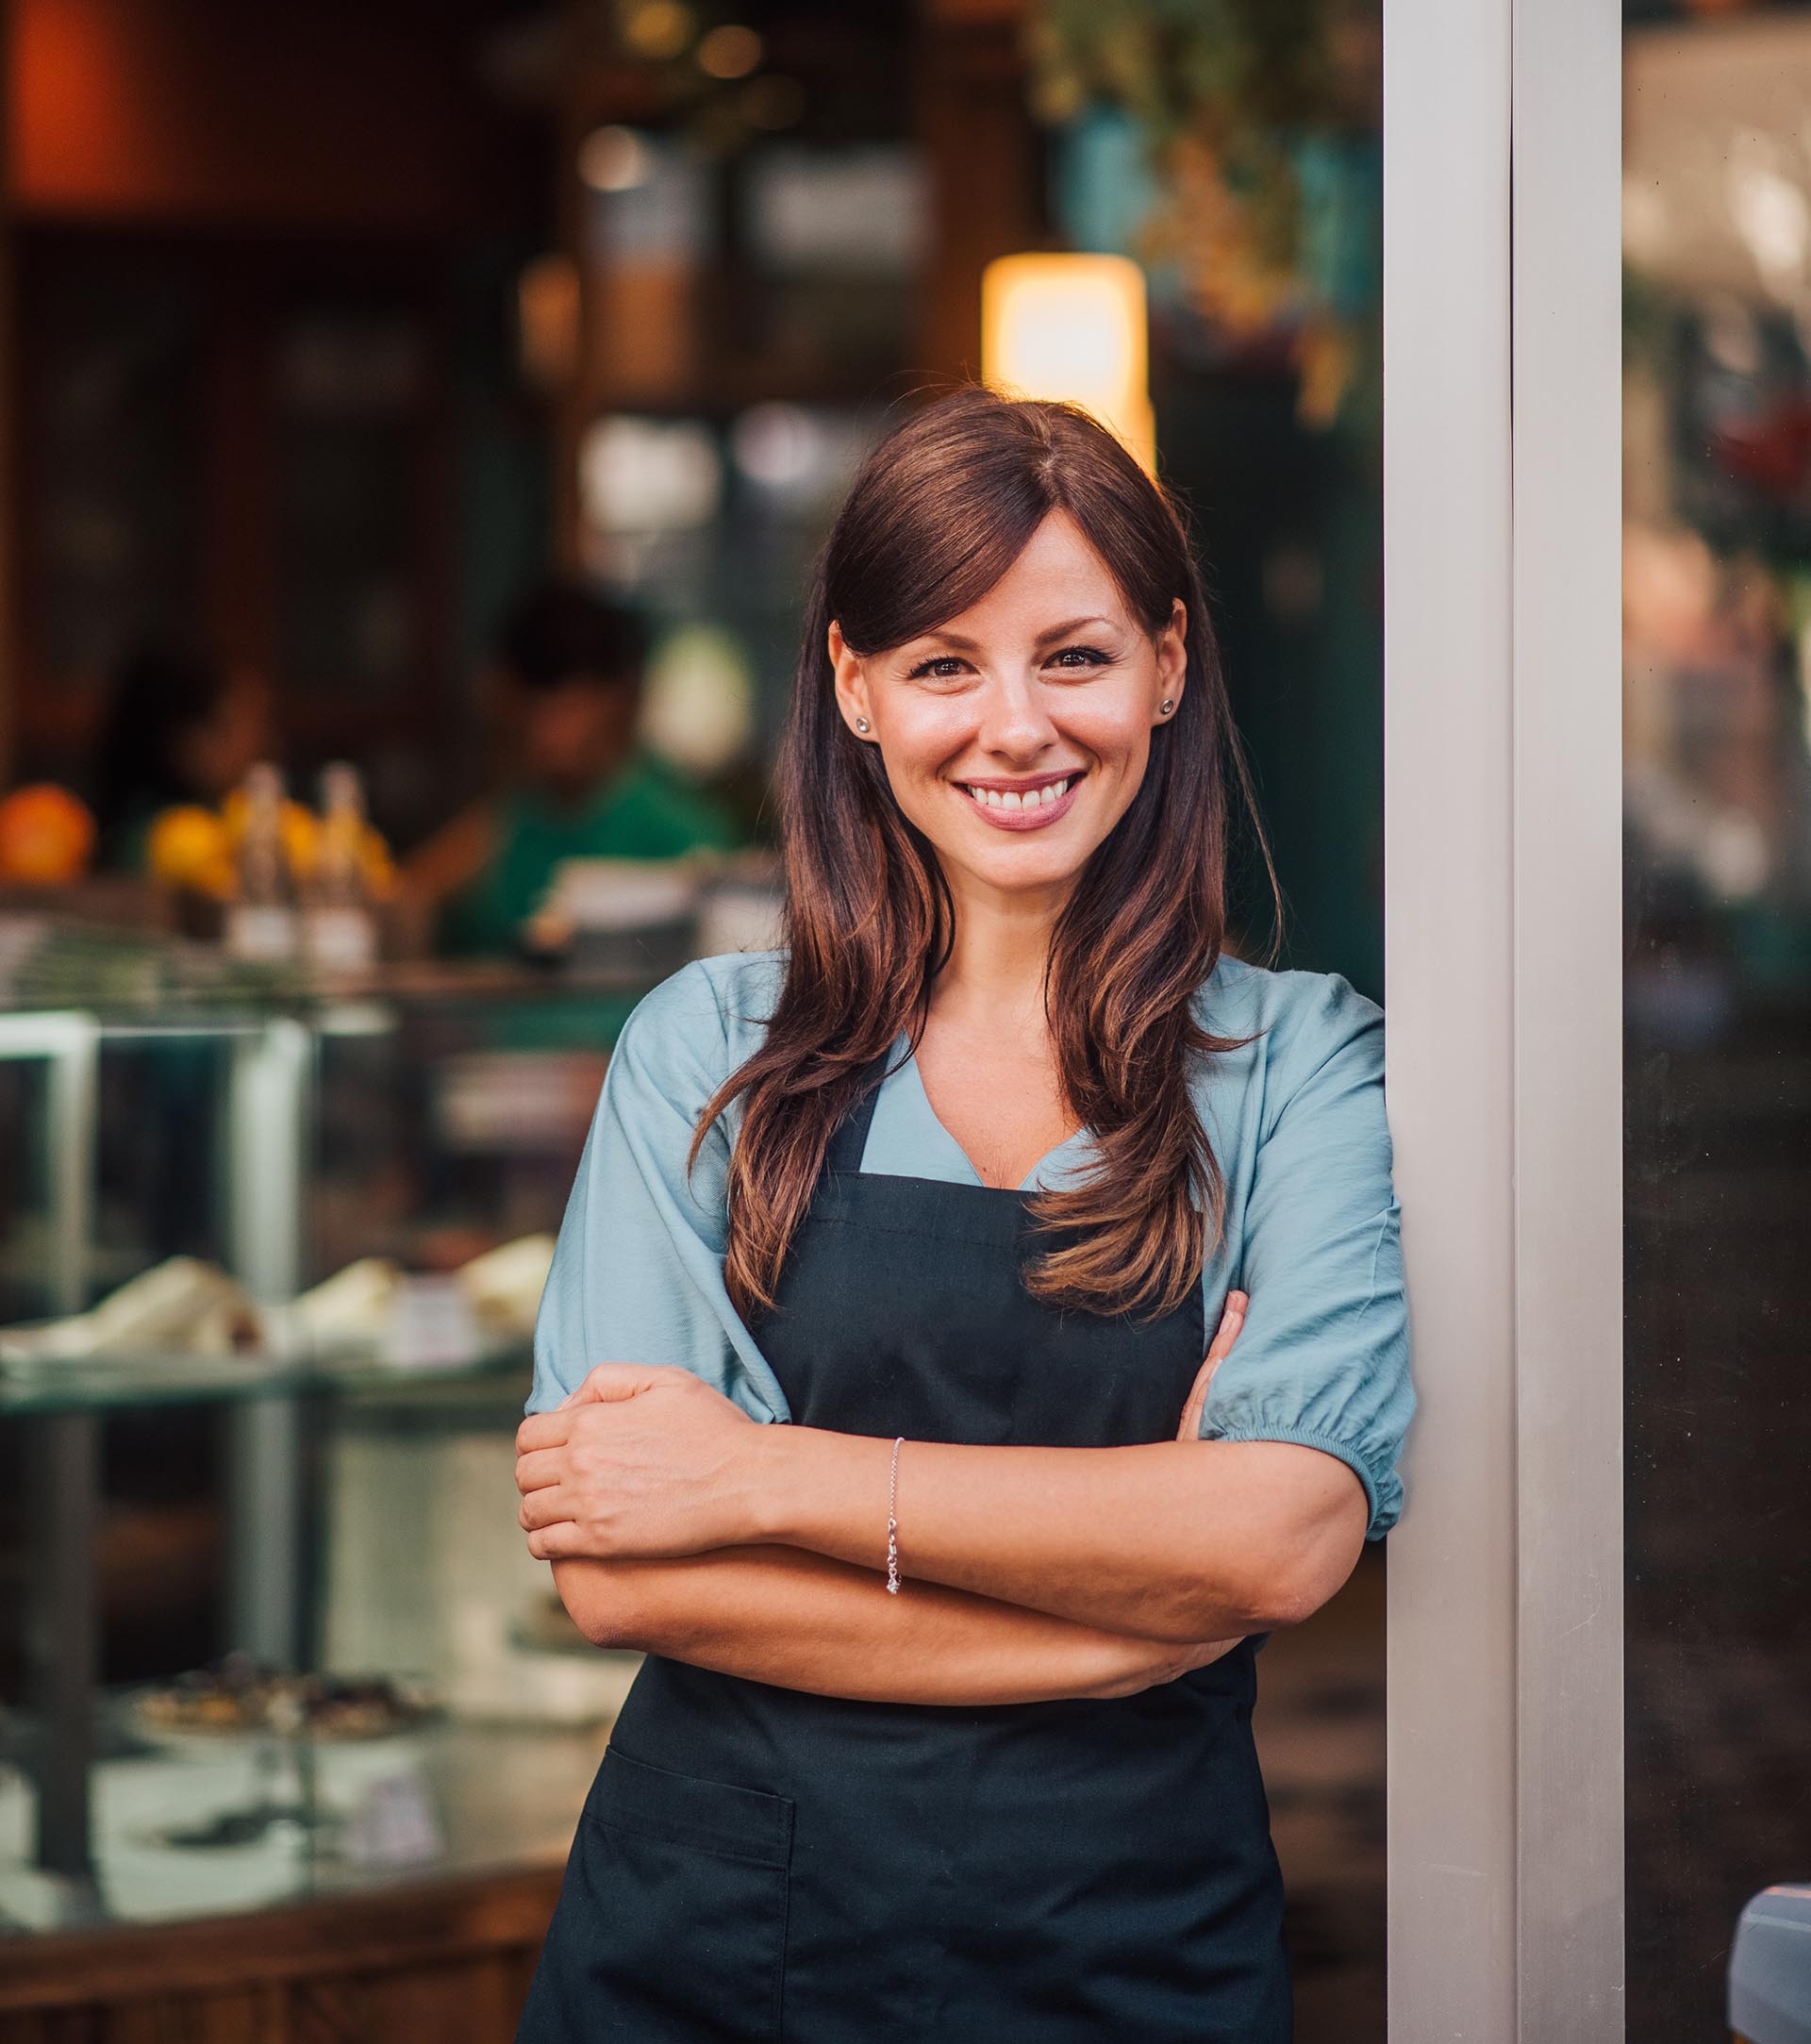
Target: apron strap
<point x="850" y="1138"/>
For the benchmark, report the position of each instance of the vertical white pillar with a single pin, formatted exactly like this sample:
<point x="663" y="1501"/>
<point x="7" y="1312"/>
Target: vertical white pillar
<point x="1503" y="846"/>
<point x="1567" y="266"/>
<point x="1448" y="996"/>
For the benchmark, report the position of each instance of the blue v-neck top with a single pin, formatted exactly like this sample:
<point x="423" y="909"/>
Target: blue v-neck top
<point x="1296" y="1120"/>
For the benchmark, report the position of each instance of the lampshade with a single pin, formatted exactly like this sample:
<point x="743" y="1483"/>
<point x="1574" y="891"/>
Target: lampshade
<point x="1072" y="327"/>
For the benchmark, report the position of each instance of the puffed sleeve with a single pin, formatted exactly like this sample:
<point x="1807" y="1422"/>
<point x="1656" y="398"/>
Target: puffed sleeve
<point x="638" y="1269"/>
<point x="1323" y="1355"/>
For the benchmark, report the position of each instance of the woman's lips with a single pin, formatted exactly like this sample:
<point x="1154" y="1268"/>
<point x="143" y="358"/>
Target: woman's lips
<point x="1031" y="814"/>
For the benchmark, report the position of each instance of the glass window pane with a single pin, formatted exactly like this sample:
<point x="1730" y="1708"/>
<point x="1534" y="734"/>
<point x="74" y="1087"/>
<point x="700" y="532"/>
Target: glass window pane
<point x="1717" y="564"/>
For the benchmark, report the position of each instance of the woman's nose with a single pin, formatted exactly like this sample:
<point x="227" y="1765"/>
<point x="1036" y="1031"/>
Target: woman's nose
<point x="1013" y="719"/>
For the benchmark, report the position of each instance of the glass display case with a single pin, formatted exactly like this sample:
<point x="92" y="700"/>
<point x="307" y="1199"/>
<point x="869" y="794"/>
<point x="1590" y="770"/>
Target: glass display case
<point x="288" y="1241"/>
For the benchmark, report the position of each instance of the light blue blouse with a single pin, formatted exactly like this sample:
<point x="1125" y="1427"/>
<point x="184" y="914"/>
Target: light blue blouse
<point x="1296" y="1120"/>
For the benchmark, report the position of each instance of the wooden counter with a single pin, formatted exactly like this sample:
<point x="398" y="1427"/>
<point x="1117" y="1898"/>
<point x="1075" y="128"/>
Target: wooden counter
<point x="446" y="1962"/>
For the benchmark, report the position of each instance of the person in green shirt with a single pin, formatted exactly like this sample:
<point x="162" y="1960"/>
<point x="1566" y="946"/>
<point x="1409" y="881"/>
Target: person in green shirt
<point x="581" y="787"/>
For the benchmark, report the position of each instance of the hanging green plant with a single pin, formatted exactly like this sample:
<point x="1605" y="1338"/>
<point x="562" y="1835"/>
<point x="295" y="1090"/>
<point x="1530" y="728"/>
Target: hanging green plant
<point x="1261" y="118"/>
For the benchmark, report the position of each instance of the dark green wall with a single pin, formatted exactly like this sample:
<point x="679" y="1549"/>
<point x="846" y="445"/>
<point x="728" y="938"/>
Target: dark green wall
<point x="1270" y="498"/>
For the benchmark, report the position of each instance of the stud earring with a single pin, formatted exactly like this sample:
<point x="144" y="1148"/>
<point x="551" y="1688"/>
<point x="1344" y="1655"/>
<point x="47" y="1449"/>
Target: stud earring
<point x="1168" y="704"/>
<point x="861" y="724"/>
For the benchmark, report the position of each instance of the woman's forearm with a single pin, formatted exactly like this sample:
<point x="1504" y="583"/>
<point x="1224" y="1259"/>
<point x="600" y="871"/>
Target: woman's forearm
<point x="1173" y="1540"/>
<point x="806" y="1621"/>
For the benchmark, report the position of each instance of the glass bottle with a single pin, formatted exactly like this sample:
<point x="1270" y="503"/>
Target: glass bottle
<point x="341" y="931"/>
<point x="260" y="921"/>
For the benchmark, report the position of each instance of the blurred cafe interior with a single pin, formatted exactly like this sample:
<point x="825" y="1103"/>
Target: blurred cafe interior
<point x="416" y="427"/>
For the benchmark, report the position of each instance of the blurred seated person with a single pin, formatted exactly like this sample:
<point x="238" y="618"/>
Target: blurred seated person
<point x="571" y="672"/>
<point x="180" y="728"/>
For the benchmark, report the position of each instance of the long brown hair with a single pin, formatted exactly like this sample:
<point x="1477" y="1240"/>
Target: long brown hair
<point x="939" y="512"/>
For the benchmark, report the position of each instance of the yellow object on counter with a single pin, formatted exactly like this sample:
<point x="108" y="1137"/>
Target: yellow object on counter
<point x="194" y="847"/>
<point x="46" y="835"/>
<point x="188" y="846"/>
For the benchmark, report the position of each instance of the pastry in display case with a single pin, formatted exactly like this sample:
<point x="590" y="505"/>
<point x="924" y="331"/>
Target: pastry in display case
<point x="186" y="1306"/>
<point x="283" y="1717"/>
<point x="183" y="1305"/>
<point x="242" y="1697"/>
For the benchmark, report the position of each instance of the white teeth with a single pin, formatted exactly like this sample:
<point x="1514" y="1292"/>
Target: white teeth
<point x="996" y="798"/>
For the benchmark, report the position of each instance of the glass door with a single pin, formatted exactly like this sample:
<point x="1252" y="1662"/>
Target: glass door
<point x="1716" y="787"/>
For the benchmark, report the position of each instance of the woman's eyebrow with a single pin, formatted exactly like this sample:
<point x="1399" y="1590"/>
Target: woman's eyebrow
<point x="1054" y="631"/>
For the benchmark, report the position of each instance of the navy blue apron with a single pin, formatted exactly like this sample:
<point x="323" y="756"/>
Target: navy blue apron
<point x="754" y="1862"/>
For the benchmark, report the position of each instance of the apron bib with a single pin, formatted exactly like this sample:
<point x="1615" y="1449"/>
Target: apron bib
<point x="754" y="1862"/>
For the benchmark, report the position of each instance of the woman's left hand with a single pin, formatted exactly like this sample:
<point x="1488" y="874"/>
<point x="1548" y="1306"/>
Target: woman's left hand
<point x="642" y="1461"/>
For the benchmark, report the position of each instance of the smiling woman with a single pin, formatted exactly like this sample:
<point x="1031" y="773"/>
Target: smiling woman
<point x="949" y="1191"/>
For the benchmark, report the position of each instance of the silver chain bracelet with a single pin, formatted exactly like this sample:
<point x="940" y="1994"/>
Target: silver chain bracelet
<point x="892" y="1522"/>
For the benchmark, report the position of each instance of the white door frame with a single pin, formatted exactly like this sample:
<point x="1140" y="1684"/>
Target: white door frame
<point x="1503" y="765"/>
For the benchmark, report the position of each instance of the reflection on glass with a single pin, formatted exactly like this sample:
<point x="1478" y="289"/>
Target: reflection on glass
<point x="1717" y="586"/>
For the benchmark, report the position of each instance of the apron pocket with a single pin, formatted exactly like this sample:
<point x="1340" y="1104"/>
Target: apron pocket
<point x="691" y="1878"/>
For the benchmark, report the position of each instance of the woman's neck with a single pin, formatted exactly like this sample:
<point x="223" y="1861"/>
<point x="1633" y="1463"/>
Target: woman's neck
<point x="995" y="973"/>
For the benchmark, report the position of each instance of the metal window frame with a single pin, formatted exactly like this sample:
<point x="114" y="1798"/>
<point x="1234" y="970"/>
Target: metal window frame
<point x="1502" y="763"/>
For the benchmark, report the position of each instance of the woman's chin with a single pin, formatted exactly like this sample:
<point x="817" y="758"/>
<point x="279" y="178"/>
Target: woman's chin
<point x="1016" y="867"/>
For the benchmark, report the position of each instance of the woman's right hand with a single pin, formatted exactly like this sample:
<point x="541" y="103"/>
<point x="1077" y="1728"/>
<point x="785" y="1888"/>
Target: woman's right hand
<point x="1231" y="1319"/>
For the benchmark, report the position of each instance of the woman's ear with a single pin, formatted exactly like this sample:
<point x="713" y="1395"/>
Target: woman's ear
<point x="851" y="684"/>
<point x="1172" y="659"/>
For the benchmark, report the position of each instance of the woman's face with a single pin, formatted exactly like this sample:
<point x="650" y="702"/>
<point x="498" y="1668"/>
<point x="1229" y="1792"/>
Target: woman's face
<point x="1015" y="734"/>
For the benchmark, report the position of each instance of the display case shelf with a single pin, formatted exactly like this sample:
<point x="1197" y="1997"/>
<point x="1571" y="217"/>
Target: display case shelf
<point x="118" y="1383"/>
<point x="366" y="1504"/>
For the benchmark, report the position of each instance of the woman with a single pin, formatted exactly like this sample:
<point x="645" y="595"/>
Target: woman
<point x="955" y="1185"/>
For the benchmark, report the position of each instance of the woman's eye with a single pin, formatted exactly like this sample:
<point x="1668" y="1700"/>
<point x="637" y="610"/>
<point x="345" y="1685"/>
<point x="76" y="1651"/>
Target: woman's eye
<point x="945" y="667"/>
